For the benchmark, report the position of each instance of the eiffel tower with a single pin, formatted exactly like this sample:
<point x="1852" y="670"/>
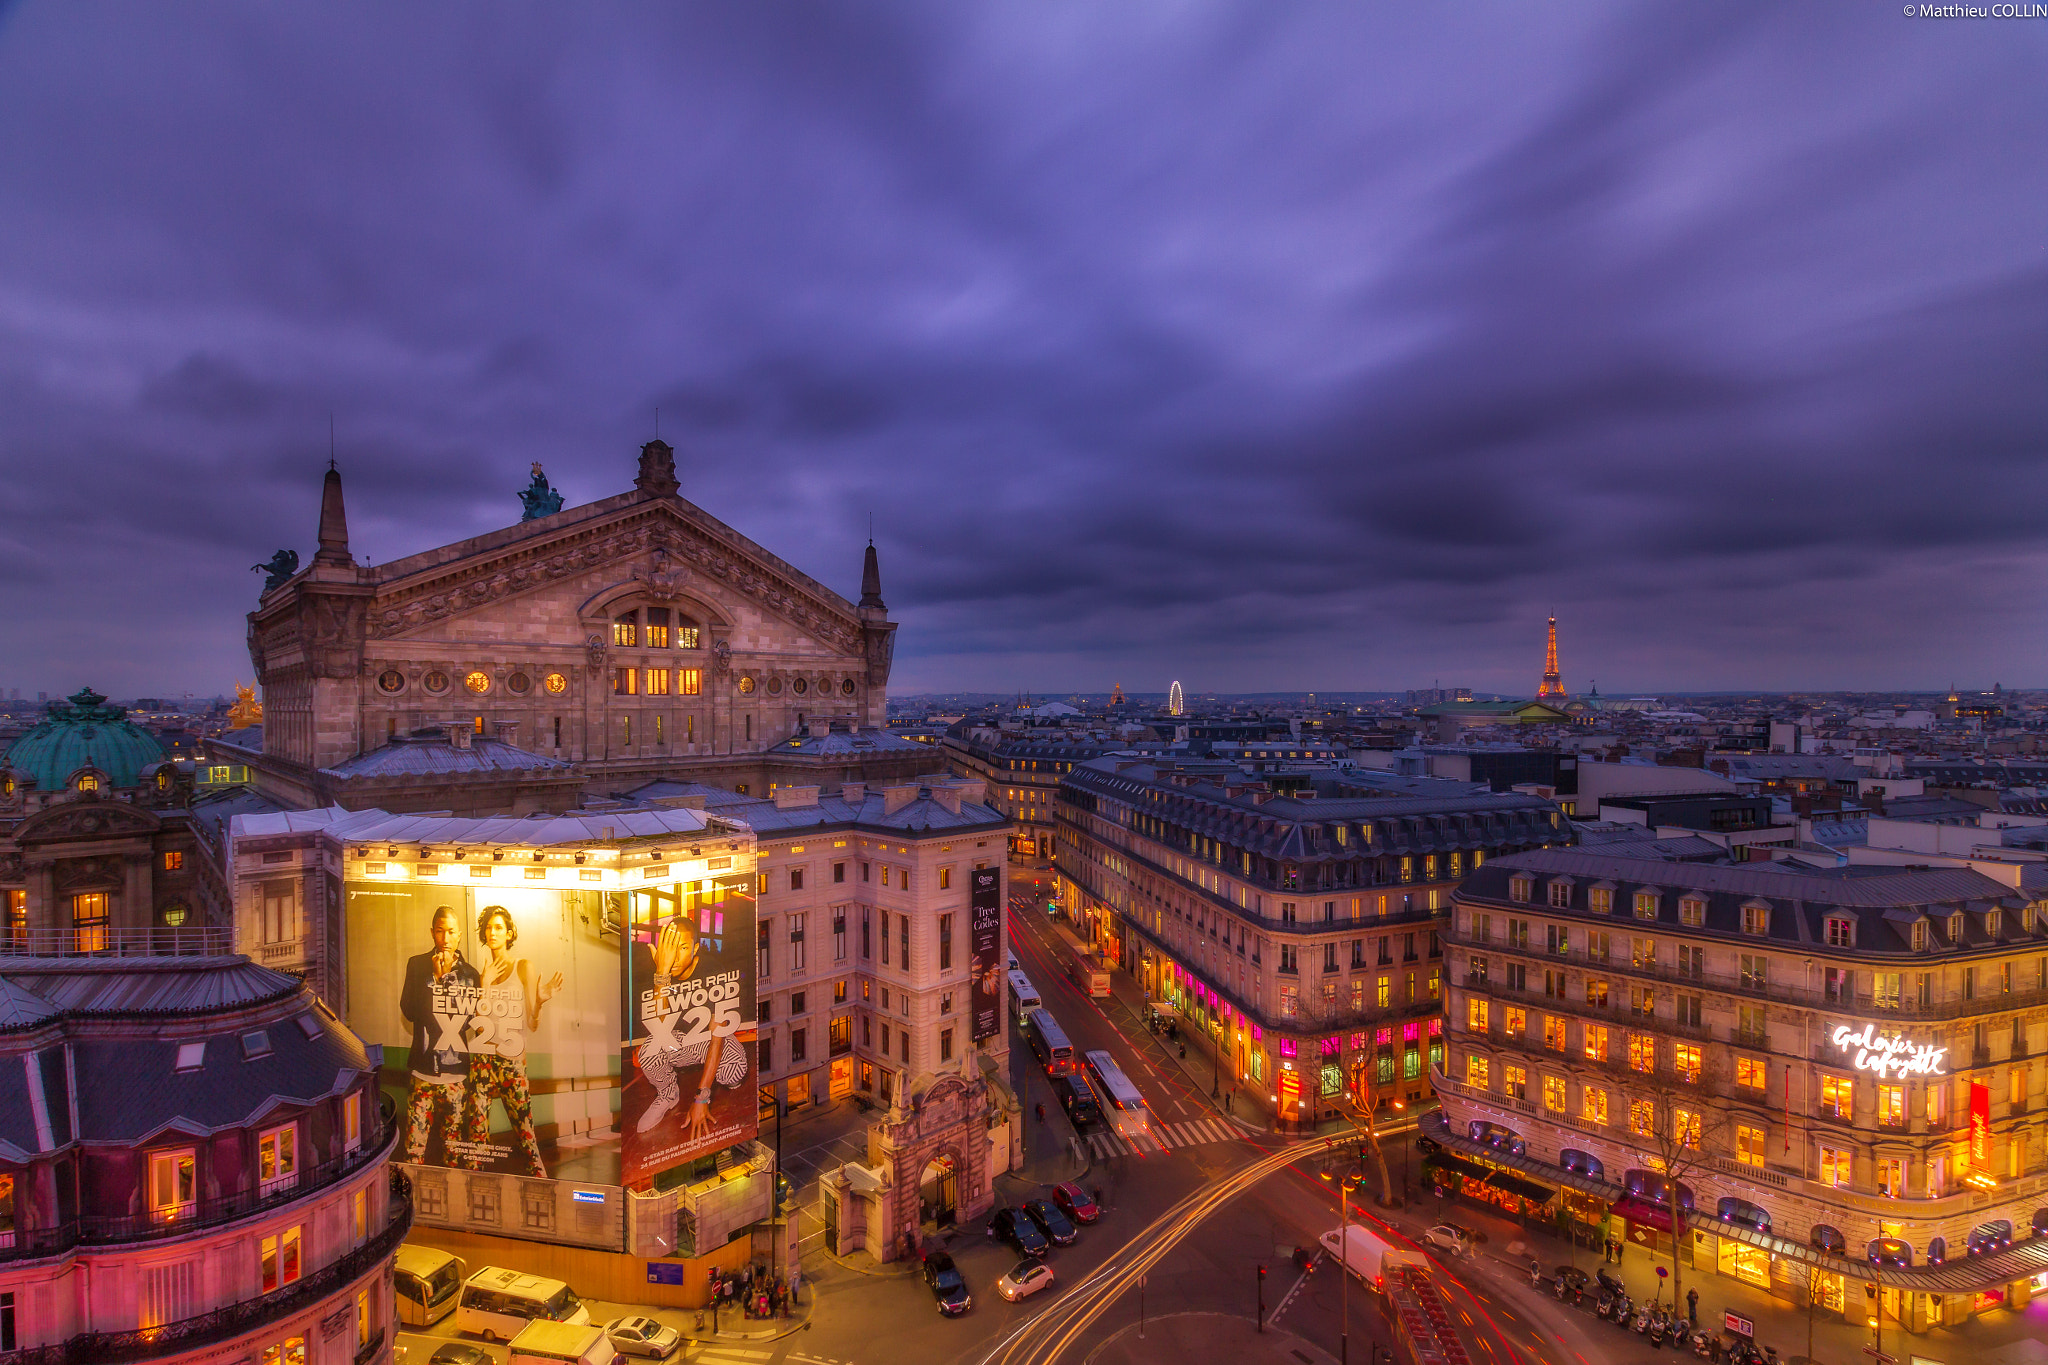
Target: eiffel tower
<point x="1553" y="685"/>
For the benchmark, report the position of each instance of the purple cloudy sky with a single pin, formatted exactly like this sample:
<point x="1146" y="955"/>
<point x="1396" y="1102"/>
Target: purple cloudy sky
<point x="1304" y="346"/>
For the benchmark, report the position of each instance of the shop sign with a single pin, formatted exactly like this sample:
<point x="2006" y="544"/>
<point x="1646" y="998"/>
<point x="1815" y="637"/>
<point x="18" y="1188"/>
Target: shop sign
<point x="1890" y="1055"/>
<point x="1980" y="1122"/>
<point x="1739" y="1325"/>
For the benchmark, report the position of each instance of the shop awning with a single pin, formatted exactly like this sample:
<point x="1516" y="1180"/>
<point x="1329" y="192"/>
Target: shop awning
<point x="1510" y="1183"/>
<point x="1641" y="1211"/>
<point x="1457" y="1165"/>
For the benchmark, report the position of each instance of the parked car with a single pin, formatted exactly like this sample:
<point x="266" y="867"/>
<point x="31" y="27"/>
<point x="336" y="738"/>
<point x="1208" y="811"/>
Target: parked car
<point x="641" y="1336"/>
<point x="1051" y="1221"/>
<point x="1015" y="1227"/>
<point x="461" y="1353"/>
<point x="948" y="1287"/>
<point x="1450" y="1239"/>
<point x="1024" y="1279"/>
<point x="1076" y="1203"/>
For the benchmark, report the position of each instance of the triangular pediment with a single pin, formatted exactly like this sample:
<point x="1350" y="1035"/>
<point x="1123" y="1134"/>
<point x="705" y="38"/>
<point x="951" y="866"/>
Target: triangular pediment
<point x="664" y="544"/>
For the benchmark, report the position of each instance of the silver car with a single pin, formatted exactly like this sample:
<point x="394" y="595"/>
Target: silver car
<point x="640" y="1336"/>
<point x="1450" y="1239"/>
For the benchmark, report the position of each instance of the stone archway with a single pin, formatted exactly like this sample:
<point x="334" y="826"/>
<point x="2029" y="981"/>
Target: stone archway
<point x="939" y="1126"/>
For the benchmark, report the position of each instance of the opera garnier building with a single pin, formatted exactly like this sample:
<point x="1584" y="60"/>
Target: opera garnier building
<point x="1826" y="1083"/>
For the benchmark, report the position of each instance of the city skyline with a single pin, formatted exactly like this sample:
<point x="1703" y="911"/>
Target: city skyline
<point x="1350" y="397"/>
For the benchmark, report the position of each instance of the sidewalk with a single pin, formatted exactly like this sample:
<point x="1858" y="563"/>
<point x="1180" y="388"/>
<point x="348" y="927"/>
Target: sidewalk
<point x="1778" y="1324"/>
<point x="733" y="1324"/>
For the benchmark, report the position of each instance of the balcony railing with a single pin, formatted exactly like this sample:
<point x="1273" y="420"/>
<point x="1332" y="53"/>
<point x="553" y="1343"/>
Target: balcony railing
<point x="189" y="940"/>
<point x="235" y="1319"/>
<point x="88" y="1230"/>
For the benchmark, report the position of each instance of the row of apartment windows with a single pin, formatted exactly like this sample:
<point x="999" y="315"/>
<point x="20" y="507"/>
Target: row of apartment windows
<point x="651" y="629"/>
<point x="898" y="877"/>
<point x="655" y="682"/>
<point x="1838" y="931"/>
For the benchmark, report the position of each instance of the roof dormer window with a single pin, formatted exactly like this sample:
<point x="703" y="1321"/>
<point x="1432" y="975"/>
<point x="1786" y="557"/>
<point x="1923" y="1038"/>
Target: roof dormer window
<point x="191" y="1056"/>
<point x="1519" y="888"/>
<point x="1692" y="911"/>
<point x="1955" y="927"/>
<point x="1756" y="918"/>
<point x="1561" y="895"/>
<point x="1992" y="919"/>
<point x="1840" y="932"/>
<point x="1919" y="935"/>
<point x="1646" y="904"/>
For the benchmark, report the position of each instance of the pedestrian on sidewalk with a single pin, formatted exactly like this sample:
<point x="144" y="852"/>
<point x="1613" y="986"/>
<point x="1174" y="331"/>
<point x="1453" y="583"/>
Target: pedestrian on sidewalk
<point x="1692" y="1306"/>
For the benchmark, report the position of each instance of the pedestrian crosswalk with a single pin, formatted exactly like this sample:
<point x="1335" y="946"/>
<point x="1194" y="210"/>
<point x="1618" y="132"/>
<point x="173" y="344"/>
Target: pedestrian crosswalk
<point x="1163" y="1137"/>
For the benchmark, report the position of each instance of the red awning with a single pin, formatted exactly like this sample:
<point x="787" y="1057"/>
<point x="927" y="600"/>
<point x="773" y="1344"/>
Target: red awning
<point x="1636" y="1211"/>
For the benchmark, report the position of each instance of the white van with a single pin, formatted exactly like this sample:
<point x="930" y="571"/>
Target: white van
<point x="562" y="1343"/>
<point x="498" y="1303"/>
<point x="427" y="1283"/>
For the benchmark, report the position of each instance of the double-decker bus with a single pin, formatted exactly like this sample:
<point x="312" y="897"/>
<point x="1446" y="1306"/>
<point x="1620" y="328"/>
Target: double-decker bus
<point x="1122" y="1106"/>
<point x="1084" y="968"/>
<point x="1049" y="1044"/>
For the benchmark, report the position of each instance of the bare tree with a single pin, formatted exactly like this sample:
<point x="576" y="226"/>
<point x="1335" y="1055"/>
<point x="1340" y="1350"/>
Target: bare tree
<point x="1673" y="1122"/>
<point x="1365" y="1104"/>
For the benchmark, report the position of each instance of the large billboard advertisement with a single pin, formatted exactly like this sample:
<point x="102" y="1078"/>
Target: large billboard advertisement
<point x="985" y="941"/>
<point x="688" y="1000"/>
<point x="498" y="1010"/>
<point x="523" y="1039"/>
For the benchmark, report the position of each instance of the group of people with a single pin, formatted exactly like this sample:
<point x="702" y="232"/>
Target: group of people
<point x="758" y="1293"/>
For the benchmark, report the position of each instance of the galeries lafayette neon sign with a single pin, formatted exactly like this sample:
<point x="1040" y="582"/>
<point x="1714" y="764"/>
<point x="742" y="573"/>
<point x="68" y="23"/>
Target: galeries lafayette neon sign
<point x="1892" y="1056"/>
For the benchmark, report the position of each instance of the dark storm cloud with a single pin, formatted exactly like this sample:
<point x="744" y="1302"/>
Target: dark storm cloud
<point x="1319" y="348"/>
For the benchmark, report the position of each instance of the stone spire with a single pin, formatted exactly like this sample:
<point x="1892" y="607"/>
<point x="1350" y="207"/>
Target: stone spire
<point x="657" y="469"/>
<point x="871" y="581"/>
<point x="333" y="523"/>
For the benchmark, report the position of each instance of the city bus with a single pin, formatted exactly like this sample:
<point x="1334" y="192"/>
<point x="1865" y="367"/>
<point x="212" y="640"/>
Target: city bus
<point x="1023" y="995"/>
<point x="1049" y="1044"/>
<point x="1084" y="968"/>
<point x="1122" y="1105"/>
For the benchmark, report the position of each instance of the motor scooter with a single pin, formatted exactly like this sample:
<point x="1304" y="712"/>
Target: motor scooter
<point x="1658" y="1327"/>
<point x="1642" y="1321"/>
<point x="1623" y="1306"/>
<point x="1702" y="1344"/>
<point x="1603" y="1305"/>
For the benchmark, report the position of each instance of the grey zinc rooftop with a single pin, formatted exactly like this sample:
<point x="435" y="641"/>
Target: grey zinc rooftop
<point x="421" y="755"/>
<point x="1858" y="887"/>
<point x="543" y="831"/>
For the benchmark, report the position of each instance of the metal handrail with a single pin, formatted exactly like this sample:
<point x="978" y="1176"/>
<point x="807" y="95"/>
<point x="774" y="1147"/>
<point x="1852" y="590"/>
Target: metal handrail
<point x="87" y="1230"/>
<point x="185" y="940"/>
<point x="230" y="1320"/>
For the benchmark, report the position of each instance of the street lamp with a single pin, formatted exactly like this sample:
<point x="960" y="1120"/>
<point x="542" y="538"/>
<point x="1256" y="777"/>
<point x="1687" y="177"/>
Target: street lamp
<point x="1345" y="1186"/>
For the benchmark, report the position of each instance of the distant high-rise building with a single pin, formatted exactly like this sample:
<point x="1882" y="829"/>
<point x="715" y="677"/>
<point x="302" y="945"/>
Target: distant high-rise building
<point x="1174" y="704"/>
<point x="1553" y="684"/>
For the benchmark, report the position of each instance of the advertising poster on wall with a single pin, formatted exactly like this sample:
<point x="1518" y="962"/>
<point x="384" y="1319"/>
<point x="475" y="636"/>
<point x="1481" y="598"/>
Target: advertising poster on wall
<point x="498" y="1011"/>
<point x="688" y="1003"/>
<point x="985" y="939"/>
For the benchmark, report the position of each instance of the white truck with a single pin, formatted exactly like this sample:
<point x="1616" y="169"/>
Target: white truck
<point x="1366" y="1254"/>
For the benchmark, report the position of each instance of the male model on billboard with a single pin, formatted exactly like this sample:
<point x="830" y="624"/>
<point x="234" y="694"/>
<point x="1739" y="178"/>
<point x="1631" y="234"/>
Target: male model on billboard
<point x="509" y="1009"/>
<point x="720" y="1059"/>
<point x="437" y="1002"/>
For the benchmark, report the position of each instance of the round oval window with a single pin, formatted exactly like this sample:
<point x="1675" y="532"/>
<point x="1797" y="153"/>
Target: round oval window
<point x="846" y="686"/>
<point x="391" y="680"/>
<point x="556" y="683"/>
<point x="436" y="681"/>
<point x="519" y="683"/>
<point x="746" y="684"/>
<point x="775" y="687"/>
<point x="477" y="681"/>
<point x="800" y="686"/>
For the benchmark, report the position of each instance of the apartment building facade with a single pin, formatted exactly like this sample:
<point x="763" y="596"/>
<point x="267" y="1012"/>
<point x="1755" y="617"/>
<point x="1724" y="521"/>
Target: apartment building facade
<point x="1834" y="1078"/>
<point x="1297" y="926"/>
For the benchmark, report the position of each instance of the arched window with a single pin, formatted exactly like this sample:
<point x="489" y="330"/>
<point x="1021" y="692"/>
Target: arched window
<point x="1937" y="1251"/>
<point x="1889" y="1251"/>
<point x="626" y="630"/>
<point x="88" y="782"/>
<point x="2041" y="1222"/>
<point x="1827" y="1238"/>
<point x="1743" y="1212"/>
<point x="1986" y="1238"/>
<point x="1585" y="1163"/>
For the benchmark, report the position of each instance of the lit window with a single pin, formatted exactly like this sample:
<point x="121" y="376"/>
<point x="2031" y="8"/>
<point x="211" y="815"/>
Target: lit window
<point x="1749" y="1145"/>
<point x="1686" y="1061"/>
<point x="1475" y="1016"/>
<point x="1891" y="1177"/>
<point x="1891" y="1105"/>
<point x="280" y="1257"/>
<point x="1601" y="900"/>
<point x="1476" y="1069"/>
<point x="277" y="1158"/>
<point x="1642" y="1118"/>
<point x="1517" y="1021"/>
<point x="1750" y="1072"/>
<point x="1646" y="904"/>
<point x="1642" y="1051"/>
<point x="1553" y="1032"/>
<point x="1515" y="1082"/>
<point x="1837" y="1096"/>
<point x="174" y="861"/>
<point x="1643" y="953"/>
<point x="656" y="682"/>
<point x="89" y="921"/>
<point x="1554" y="1093"/>
<point x="171" y="1184"/>
<point x="1596" y="1042"/>
<point x="626" y="630"/>
<point x="1756" y="919"/>
<point x="1593" y="1105"/>
<point x="1841" y="932"/>
<point x="1837" y="1167"/>
<point x="1692" y="911"/>
<point x="1685" y="1126"/>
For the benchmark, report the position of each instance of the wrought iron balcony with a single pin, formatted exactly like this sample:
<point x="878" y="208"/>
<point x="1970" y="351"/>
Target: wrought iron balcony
<point x="232" y="1320"/>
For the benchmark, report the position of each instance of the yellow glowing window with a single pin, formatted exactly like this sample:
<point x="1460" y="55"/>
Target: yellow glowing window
<point x="1891" y="1105"/>
<point x="1593" y="1105"/>
<point x="1553" y="1032"/>
<point x="1837" y="1166"/>
<point x="1686" y="1059"/>
<point x="477" y="681"/>
<point x="1750" y="1072"/>
<point x="1517" y="1020"/>
<point x="171" y="1184"/>
<point x="1642" y="1118"/>
<point x="1554" y="1093"/>
<point x="690" y="682"/>
<point x="1515" y="1081"/>
<point x="1476" y="1069"/>
<point x="1686" y="1128"/>
<point x="657" y="682"/>
<point x="1837" y="1096"/>
<point x="1749" y="1145"/>
<point x="1475" y="1016"/>
<point x="1642" y="1051"/>
<point x="1596" y="1042"/>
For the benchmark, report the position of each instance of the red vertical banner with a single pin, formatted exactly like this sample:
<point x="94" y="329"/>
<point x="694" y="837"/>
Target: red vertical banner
<point x="1980" y="1125"/>
<point x="1788" y="1109"/>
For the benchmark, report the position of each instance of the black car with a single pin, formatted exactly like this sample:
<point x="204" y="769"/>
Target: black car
<point x="462" y="1353"/>
<point x="1015" y="1227"/>
<point x="1051" y="1222"/>
<point x="943" y="1278"/>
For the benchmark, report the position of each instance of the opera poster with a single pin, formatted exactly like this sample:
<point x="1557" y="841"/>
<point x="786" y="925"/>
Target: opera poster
<point x="688" y="999"/>
<point x="498" y="1011"/>
<point x="985" y="942"/>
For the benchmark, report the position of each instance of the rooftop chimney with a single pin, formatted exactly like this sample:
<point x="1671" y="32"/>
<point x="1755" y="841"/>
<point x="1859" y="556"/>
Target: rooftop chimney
<point x="795" y="798"/>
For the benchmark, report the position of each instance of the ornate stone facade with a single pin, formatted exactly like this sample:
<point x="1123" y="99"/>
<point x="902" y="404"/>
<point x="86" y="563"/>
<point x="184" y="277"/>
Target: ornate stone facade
<point x="636" y="636"/>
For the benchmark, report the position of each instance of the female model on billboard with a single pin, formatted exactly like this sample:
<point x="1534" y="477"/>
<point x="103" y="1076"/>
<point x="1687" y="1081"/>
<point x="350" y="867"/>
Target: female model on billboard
<point x="720" y="1059"/>
<point x="513" y="996"/>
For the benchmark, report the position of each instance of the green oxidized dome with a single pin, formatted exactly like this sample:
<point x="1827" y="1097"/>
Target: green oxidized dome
<point x="86" y="733"/>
